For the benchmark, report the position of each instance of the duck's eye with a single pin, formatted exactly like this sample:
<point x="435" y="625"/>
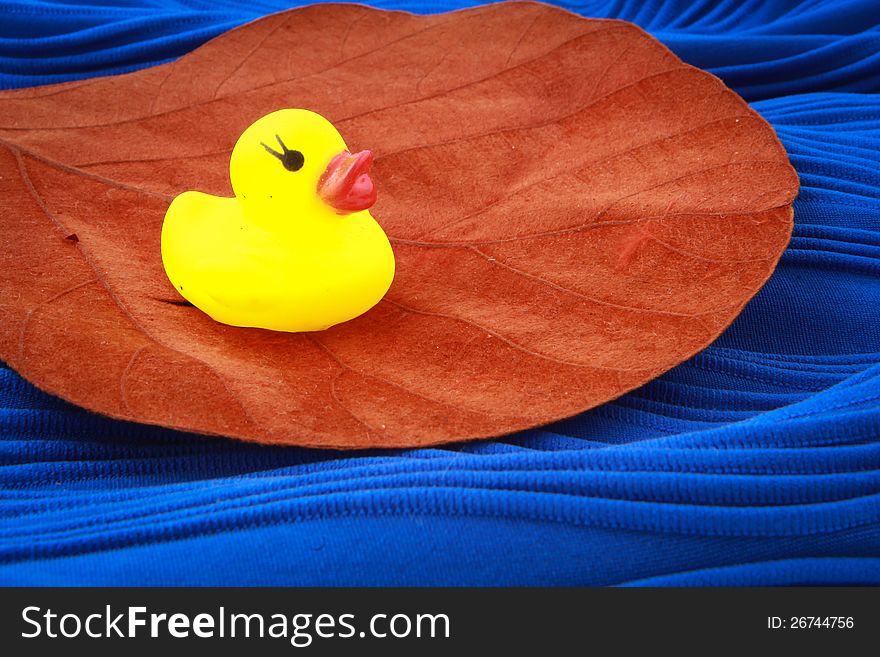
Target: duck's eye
<point x="292" y="160"/>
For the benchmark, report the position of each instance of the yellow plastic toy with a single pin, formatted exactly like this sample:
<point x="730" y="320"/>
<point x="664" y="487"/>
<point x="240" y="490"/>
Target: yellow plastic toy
<point x="296" y="248"/>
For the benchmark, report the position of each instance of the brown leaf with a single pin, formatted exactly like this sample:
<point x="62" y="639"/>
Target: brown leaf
<point x="573" y="210"/>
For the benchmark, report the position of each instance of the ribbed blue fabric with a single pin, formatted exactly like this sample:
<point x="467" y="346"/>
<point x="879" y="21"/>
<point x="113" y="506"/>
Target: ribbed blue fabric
<point x="756" y="462"/>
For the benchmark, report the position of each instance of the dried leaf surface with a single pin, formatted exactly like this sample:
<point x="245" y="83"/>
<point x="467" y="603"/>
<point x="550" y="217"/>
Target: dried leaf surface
<point x="574" y="211"/>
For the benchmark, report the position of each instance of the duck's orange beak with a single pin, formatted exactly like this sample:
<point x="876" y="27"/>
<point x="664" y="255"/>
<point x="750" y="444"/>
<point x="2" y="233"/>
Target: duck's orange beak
<point x="346" y="184"/>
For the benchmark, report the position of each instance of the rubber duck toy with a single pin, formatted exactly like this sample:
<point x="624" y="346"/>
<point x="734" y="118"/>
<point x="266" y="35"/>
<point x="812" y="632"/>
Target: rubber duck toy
<point x="296" y="248"/>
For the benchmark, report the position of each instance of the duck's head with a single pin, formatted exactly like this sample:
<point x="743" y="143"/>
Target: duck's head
<point x="293" y="162"/>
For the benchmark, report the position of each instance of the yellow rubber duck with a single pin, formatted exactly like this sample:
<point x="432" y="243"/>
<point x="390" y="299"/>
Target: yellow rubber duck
<point x="296" y="248"/>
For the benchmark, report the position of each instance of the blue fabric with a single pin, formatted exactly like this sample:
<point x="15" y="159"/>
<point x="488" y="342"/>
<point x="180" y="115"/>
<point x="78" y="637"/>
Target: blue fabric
<point x="756" y="462"/>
